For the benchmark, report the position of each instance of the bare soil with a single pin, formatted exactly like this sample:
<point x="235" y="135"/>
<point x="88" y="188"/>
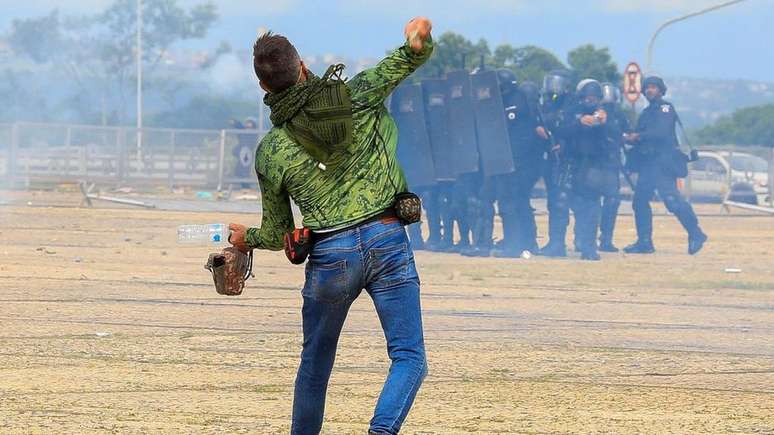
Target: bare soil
<point x="108" y="326"/>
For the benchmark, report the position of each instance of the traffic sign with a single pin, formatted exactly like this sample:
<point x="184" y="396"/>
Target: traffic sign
<point x="632" y="82"/>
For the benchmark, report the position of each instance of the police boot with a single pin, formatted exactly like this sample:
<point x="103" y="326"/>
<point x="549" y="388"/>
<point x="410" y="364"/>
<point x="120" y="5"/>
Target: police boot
<point x="439" y="245"/>
<point x="606" y="245"/>
<point x="590" y="255"/>
<point x="476" y="251"/>
<point x="506" y="252"/>
<point x="462" y="245"/>
<point x="696" y="242"/>
<point x="553" y="249"/>
<point x="641" y="246"/>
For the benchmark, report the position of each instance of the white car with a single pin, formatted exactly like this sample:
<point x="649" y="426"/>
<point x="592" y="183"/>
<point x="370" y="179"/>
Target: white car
<point x="746" y="175"/>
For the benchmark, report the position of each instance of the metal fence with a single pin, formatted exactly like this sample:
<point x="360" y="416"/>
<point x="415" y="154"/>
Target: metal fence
<point x="58" y="153"/>
<point x="5" y="148"/>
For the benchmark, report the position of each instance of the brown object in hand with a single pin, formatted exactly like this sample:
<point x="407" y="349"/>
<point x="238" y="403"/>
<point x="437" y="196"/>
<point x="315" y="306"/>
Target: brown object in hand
<point x="230" y="269"/>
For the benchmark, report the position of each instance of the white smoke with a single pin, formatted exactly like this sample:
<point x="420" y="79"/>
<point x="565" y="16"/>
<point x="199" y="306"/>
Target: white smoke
<point x="229" y="75"/>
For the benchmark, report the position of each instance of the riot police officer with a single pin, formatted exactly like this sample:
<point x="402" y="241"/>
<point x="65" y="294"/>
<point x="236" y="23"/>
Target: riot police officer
<point x="618" y="124"/>
<point x="556" y="101"/>
<point x="592" y="164"/>
<point x="482" y="192"/>
<point x="528" y="142"/>
<point x="657" y="159"/>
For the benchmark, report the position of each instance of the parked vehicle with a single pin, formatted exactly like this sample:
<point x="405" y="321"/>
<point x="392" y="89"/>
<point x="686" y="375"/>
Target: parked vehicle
<point x="740" y="177"/>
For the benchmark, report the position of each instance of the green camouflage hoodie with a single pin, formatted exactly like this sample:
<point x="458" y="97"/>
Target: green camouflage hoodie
<point x="363" y="182"/>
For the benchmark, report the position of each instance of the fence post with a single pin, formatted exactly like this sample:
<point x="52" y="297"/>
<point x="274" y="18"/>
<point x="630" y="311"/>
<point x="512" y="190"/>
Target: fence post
<point x="729" y="175"/>
<point x="68" y="150"/>
<point x="172" y="144"/>
<point x="221" y="159"/>
<point x="121" y="157"/>
<point x="771" y="176"/>
<point x="12" y="152"/>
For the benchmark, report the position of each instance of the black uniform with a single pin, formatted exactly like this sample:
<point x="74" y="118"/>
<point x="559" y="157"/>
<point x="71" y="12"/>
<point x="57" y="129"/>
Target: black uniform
<point x="618" y="124"/>
<point x="515" y="189"/>
<point x="594" y="173"/>
<point x="657" y="160"/>
<point x="554" y="176"/>
<point x="438" y="206"/>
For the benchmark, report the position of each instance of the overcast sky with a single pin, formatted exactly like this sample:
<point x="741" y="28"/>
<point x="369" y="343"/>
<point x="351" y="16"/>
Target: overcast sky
<point x="731" y="43"/>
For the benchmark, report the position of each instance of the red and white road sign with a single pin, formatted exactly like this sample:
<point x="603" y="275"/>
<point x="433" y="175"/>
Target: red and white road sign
<point x="632" y="82"/>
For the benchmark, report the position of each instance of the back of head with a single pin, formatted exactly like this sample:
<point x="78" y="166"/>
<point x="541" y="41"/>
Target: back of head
<point x="531" y="91"/>
<point x="507" y="80"/>
<point x="276" y="62"/>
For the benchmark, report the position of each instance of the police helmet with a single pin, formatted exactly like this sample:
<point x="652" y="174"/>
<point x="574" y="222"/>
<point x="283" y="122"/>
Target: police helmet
<point x="507" y="80"/>
<point x="530" y="90"/>
<point x="611" y="94"/>
<point x="589" y="88"/>
<point x="557" y="82"/>
<point x="657" y="81"/>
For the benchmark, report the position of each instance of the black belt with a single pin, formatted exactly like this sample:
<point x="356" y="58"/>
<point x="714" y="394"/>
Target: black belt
<point x="386" y="214"/>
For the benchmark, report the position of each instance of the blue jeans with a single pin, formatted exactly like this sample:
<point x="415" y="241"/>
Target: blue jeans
<point x="376" y="257"/>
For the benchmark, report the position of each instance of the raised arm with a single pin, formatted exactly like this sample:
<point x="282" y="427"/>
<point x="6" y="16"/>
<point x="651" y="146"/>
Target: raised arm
<point x="372" y="86"/>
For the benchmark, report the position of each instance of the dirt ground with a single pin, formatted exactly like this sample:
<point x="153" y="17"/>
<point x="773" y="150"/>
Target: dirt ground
<point x="108" y="326"/>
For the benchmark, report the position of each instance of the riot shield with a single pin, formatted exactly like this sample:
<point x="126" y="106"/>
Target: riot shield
<point x="462" y="123"/>
<point x="494" y="143"/>
<point x="414" y="153"/>
<point x="438" y="127"/>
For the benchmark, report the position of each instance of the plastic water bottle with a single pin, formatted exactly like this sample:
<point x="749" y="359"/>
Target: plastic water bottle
<point x="202" y="234"/>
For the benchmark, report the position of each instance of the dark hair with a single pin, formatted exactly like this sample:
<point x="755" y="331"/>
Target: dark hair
<point x="276" y="62"/>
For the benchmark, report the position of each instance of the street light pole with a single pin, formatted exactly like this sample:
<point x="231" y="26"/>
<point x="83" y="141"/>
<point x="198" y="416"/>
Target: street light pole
<point x="139" y="80"/>
<point x="679" y="19"/>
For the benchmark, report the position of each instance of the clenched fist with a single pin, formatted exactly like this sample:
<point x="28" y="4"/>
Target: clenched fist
<point x="237" y="237"/>
<point x="417" y="31"/>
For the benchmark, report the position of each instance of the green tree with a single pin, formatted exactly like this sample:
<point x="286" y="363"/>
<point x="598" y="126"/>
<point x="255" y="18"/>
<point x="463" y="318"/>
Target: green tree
<point x="588" y="61"/>
<point x="748" y="126"/>
<point x="452" y="52"/>
<point x="528" y="62"/>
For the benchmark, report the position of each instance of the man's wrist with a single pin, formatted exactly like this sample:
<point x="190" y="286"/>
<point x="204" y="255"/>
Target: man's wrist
<point x="427" y="44"/>
<point x="251" y="237"/>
